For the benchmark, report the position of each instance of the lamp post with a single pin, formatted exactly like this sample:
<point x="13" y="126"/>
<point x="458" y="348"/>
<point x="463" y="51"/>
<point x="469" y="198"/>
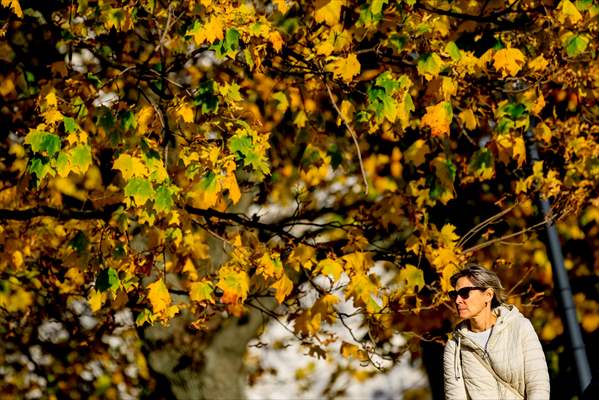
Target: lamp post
<point x="562" y="286"/>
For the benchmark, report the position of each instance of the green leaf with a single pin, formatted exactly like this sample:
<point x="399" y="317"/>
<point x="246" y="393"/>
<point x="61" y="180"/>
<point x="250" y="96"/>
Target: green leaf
<point x="514" y="110"/>
<point x="79" y="242"/>
<point x="108" y="278"/>
<point x="398" y="41"/>
<point x="70" y="125"/>
<point x="128" y="120"/>
<point x="208" y="182"/>
<point x="482" y="164"/>
<point x="164" y="199"/>
<point x="43" y="142"/>
<point x="454" y="52"/>
<point x="283" y="103"/>
<point x="81" y="158"/>
<point x="430" y="65"/>
<point x="576" y="45"/>
<point x="140" y="189"/>
<point x="40" y="167"/>
<point x="584" y="5"/>
<point x="63" y="164"/>
<point x="206" y="98"/>
<point x="241" y="145"/>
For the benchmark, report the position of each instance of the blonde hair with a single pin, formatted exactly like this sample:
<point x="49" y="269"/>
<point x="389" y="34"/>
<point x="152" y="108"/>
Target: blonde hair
<point x="482" y="277"/>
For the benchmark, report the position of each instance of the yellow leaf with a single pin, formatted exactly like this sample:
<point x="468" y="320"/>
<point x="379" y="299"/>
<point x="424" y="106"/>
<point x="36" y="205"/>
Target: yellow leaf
<point x="519" y="151"/>
<point x="347" y="110"/>
<point x="416" y="152"/>
<point x="281" y="5"/>
<point x="300" y="119"/>
<point x="190" y="270"/>
<point x="159" y="296"/>
<point x="330" y="267"/>
<point x="283" y="287"/>
<point x="269" y="267"/>
<point x="214" y="29"/>
<point x="349" y="350"/>
<point x="14" y="6"/>
<point x="345" y="68"/>
<point x="130" y="166"/>
<point x="201" y="291"/>
<point x="413" y="277"/>
<point x="448" y="235"/>
<point x="17" y="259"/>
<point x="96" y="299"/>
<point x="567" y="10"/>
<point x="438" y="118"/>
<point x="538" y="64"/>
<point x="6" y="86"/>
<point x="186" y="112"/>
<point x="542" y="131"/>
<point x="364" y="291"/>
<point x="52" y="116"/>
<point x="276" y="40"/>
<point x="230" y="183"/>
<point x="330" y="13"/>
<point x="449" y="88"/>
<point x="508" y="61"/>
<point x="307" y="323"/>
<point x="538" y="105"/>
<point x="235" y="285"/>
<point x="357" y="262"/>
<point x="143" y="119"/>
<point x="51" y="99"/>
<point x="468" y="119"/>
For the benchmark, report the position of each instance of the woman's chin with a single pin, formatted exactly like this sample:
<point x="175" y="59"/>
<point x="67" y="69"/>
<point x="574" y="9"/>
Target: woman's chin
<point x="464" y="314"/>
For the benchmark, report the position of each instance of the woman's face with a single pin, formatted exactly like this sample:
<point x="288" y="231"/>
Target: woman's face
<point x="475" y="303"/>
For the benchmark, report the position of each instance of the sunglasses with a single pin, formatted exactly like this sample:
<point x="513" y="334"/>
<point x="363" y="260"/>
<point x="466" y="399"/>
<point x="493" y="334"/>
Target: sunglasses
<point x="464" y="292"/>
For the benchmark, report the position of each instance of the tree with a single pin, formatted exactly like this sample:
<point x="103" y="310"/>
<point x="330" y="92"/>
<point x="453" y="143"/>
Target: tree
<point x="219" y="160"/>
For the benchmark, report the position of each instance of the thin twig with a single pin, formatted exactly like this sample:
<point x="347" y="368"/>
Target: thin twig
<point x="511" y="235"/>
<point x="353" y="135"/>
<point x="482" y="225"/>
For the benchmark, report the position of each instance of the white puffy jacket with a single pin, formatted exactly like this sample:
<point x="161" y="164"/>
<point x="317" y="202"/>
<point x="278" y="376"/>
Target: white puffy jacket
<point x="514" y="352"/>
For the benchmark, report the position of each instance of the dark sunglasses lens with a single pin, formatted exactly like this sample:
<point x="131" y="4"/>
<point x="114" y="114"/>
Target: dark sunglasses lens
<point x="453" y="295"/>
<point x="464" y="292"/>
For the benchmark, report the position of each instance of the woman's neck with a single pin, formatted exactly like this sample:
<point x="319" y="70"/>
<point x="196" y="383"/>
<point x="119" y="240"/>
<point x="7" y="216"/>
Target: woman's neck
<point x="483" y="321"/>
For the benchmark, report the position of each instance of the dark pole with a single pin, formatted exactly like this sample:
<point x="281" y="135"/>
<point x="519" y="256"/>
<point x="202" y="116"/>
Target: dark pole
<point x="562" y="286"/>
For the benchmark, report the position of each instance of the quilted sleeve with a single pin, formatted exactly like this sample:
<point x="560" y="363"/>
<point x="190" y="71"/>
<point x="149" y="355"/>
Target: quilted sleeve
<point x="454" y="381"/>
<point x="536" y="376"/>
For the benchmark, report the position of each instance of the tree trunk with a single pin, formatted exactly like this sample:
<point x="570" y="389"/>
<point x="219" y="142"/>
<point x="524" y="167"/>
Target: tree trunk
<point x="196" y="365"/>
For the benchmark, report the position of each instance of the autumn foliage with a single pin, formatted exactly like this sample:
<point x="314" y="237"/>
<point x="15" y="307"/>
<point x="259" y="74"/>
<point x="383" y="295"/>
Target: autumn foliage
<point x="193" y="157"/>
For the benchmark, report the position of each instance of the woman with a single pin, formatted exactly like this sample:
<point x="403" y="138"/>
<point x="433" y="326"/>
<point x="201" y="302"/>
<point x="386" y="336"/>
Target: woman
<point x="494" y="352"/>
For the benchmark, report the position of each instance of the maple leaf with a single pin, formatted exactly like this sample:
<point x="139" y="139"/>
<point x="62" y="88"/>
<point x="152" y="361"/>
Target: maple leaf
<point x="438" y="118"/>
<point x="349" y="350"/>
<point x="363" y="291"/>
<point x="330" y="12"/>
<point x="331" y="267"/>
<point x="468" y="119"/>
<point x="430" y="65"/>
<point x="538" y="64"/>
<point x="283" y="288"/>
<point x="413" y="278"/>
<point x="416" y="153"/>
<point x="345" y="68"/>
<point x="234" y="283"/>
<point x="202" y="291"/>
<point x="508" y="61"/>
<point x="159" y="296"/>
<point x="186" y="112"/>
<point x="130" y="166"/>
<point x="269" y="267"/>
<point x="568" y="11"/>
